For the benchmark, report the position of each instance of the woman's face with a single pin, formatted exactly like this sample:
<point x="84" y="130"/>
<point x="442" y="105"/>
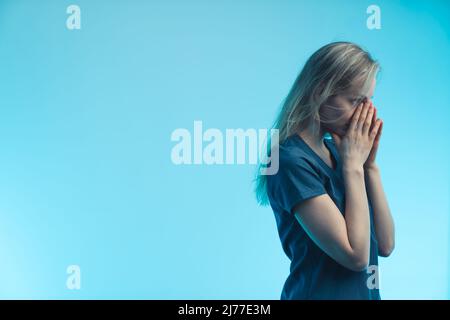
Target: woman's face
<point x="341" y="108"/>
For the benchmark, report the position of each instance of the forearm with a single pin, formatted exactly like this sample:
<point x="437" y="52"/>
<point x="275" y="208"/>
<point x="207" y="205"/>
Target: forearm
<point x="383" y="221"/>
<point x="357" y="216"/>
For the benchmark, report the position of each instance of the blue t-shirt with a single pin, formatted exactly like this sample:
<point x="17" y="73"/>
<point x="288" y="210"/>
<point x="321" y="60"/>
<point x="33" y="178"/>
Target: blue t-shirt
<point x="313" y="274"/>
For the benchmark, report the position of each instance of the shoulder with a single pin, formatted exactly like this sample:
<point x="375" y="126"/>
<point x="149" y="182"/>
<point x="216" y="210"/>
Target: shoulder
<point x="298" y="176"/>
<point x="293" y="158"/>
<point x="293" y="152"/>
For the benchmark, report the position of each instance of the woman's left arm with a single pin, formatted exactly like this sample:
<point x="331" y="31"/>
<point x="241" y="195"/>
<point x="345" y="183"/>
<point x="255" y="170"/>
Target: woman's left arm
<point x="384" y="224"/>
<point x="382" y="218"/>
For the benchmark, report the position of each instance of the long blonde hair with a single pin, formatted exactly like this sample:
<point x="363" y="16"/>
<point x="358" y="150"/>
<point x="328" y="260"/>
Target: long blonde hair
<point x="331" y="70"/>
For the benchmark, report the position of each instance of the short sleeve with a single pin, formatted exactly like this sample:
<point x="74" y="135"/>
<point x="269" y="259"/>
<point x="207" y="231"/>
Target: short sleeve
<point x="295" y="182"/>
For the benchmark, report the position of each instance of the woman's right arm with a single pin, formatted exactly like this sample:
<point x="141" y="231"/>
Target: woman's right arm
<point x="344" y="239"/>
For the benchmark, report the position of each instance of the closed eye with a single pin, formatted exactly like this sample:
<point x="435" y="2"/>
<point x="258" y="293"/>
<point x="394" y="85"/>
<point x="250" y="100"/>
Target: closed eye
<point x="356" y="101"/>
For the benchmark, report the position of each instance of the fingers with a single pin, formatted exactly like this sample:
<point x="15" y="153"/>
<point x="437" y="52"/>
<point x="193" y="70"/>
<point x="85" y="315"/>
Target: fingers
<point x="362" y="119"/>
<point x="368" y="121"/>
<point x="359" y="116"/>
<point x="377" y="137"/>
<point x="375" y="132"/>
<point x="355" y="117"/>
<point x="374" y="117"/>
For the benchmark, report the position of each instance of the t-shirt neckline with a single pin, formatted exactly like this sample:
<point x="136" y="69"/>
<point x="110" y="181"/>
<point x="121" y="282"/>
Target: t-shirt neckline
<point x="323" y="163"/>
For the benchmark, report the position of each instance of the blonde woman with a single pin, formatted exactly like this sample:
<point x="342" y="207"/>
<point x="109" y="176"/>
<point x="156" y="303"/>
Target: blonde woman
<point x="331" y="212"/>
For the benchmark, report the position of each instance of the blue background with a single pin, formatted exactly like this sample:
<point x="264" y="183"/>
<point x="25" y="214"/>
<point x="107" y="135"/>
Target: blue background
<point x="86" y="116"/>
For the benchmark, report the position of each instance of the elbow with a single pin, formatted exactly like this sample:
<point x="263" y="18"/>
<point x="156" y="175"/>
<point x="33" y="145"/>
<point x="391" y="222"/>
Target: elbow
<point x="359" y="264"/>
<point x="386" y="249"/>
